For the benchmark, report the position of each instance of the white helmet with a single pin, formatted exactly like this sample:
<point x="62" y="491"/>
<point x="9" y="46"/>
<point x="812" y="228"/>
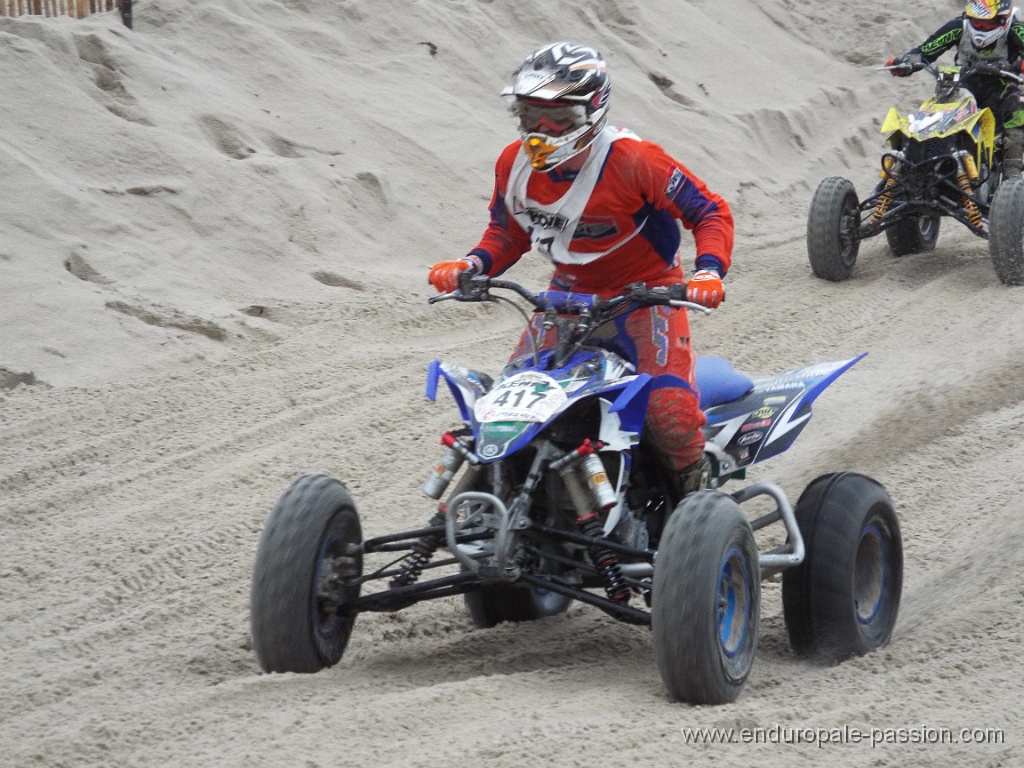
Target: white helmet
<point x="560" y="96"/>
<point x="985" y="21"/>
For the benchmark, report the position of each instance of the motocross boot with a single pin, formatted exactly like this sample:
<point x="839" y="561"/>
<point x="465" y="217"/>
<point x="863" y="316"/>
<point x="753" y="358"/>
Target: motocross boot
<point x="1013" y="152"/>
<point x="693" y="478"/>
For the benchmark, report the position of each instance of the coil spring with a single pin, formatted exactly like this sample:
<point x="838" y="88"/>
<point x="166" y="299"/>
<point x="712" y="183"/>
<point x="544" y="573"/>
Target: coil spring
<point x="973" y="214"/>
<point x="884" y="199"/>
<point x="422" y="550"/>
<point x="604" y="559"/>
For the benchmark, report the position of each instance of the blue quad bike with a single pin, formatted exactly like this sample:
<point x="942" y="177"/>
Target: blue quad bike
<point x="548" y="492"/>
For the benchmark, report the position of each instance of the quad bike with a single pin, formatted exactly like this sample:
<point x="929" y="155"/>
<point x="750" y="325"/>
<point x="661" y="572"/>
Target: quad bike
<point x="944" y="160"/>
<point x="557" y="497"/>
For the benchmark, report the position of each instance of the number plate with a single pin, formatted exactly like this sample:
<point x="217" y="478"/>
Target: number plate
<point x="527" y="396"/>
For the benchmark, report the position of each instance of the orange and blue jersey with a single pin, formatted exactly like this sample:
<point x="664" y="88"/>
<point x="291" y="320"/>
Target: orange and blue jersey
<point x="626" y="231"/>
<point x="613" y="222"/>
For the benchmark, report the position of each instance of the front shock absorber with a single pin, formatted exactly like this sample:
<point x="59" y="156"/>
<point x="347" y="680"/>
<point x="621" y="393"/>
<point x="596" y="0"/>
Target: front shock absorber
<point x="605" y="560"/>
<point x="889" y="173"/>
<point x="587" y="484"/>
<point x="422" y="550"/>
<point x="966" y="173"/>
<point x="595" y="476"/>
<point x="451" y="460"/>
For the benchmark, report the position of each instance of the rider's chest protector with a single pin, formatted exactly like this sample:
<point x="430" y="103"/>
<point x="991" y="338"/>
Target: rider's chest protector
<point x="551" y="226"/>
<point x="968" y="53"/>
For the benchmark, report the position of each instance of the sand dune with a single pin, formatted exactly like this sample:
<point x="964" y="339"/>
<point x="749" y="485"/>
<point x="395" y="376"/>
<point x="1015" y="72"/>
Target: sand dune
<point x="214" y="237"/>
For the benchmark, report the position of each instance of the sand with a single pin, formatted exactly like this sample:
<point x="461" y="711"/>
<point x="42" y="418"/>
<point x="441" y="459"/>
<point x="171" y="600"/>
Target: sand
<point x="215" y="232"/>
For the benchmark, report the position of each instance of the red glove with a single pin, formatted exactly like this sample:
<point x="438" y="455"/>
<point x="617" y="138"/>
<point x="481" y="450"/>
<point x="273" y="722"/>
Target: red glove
<point x="904" y="65"/>
<point x="444" y="275"/>
<point x="705" y="288"/>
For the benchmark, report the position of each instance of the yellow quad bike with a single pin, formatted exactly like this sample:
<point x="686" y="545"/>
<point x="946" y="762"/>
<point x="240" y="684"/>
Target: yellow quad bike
<point x="945" y="159"/>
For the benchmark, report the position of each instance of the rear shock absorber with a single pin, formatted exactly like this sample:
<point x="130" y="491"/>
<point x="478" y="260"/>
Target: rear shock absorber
<point x="964" y="176"/>
<point x="606" y="562"/>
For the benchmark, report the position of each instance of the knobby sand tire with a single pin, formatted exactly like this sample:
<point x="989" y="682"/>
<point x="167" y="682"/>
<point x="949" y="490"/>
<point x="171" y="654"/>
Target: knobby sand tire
<point x="706" y="598"/>
<point x="832" y="226"/>
<point x="308" y="535"/>
<point x="843" y="600"/>
<point x="1006" y="232"/>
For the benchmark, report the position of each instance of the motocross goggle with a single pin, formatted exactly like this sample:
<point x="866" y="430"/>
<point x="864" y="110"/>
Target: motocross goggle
<point x="988" y="25"/>
<point x="551" y="119"/>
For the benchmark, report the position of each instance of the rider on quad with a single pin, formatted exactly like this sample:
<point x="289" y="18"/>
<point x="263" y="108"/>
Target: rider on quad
<point x="603" y="205"/>
<point x="988" y="32"/>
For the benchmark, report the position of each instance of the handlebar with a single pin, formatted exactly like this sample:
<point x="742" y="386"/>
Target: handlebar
<point x="988" y="69"/>
<point x="966" y="69"/>
<point x="474" y="287"/>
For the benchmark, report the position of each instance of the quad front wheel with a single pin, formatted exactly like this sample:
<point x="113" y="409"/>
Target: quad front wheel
<point x="832" y="229"/>
<point x="1006" y="231"/>
<point x="843" y="599"/>
<point x="706" y="599"/>
<point x="305" y="578"/>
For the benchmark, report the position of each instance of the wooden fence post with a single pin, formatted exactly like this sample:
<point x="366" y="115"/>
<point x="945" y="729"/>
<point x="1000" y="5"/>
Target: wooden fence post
<point x="77" y="9"/>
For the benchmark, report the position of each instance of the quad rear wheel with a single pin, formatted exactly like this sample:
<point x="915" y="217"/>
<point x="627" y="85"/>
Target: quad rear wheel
<point x="706" y="599"/>
<point x="914" y="234"/>
<point x="832" y="229"/>
<point x="843" y="599"/>
<point x="492" y="605"/>
<point x="305" y="578"/>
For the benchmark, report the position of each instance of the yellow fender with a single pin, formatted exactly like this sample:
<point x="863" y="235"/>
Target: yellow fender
<point x="981" y="126"/>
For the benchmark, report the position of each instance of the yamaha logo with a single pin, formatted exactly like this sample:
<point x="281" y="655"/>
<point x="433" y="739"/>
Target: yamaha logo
<point x="749" y="438"/>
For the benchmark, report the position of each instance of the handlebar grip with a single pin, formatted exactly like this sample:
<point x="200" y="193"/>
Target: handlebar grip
<point x="466" y="277"/>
